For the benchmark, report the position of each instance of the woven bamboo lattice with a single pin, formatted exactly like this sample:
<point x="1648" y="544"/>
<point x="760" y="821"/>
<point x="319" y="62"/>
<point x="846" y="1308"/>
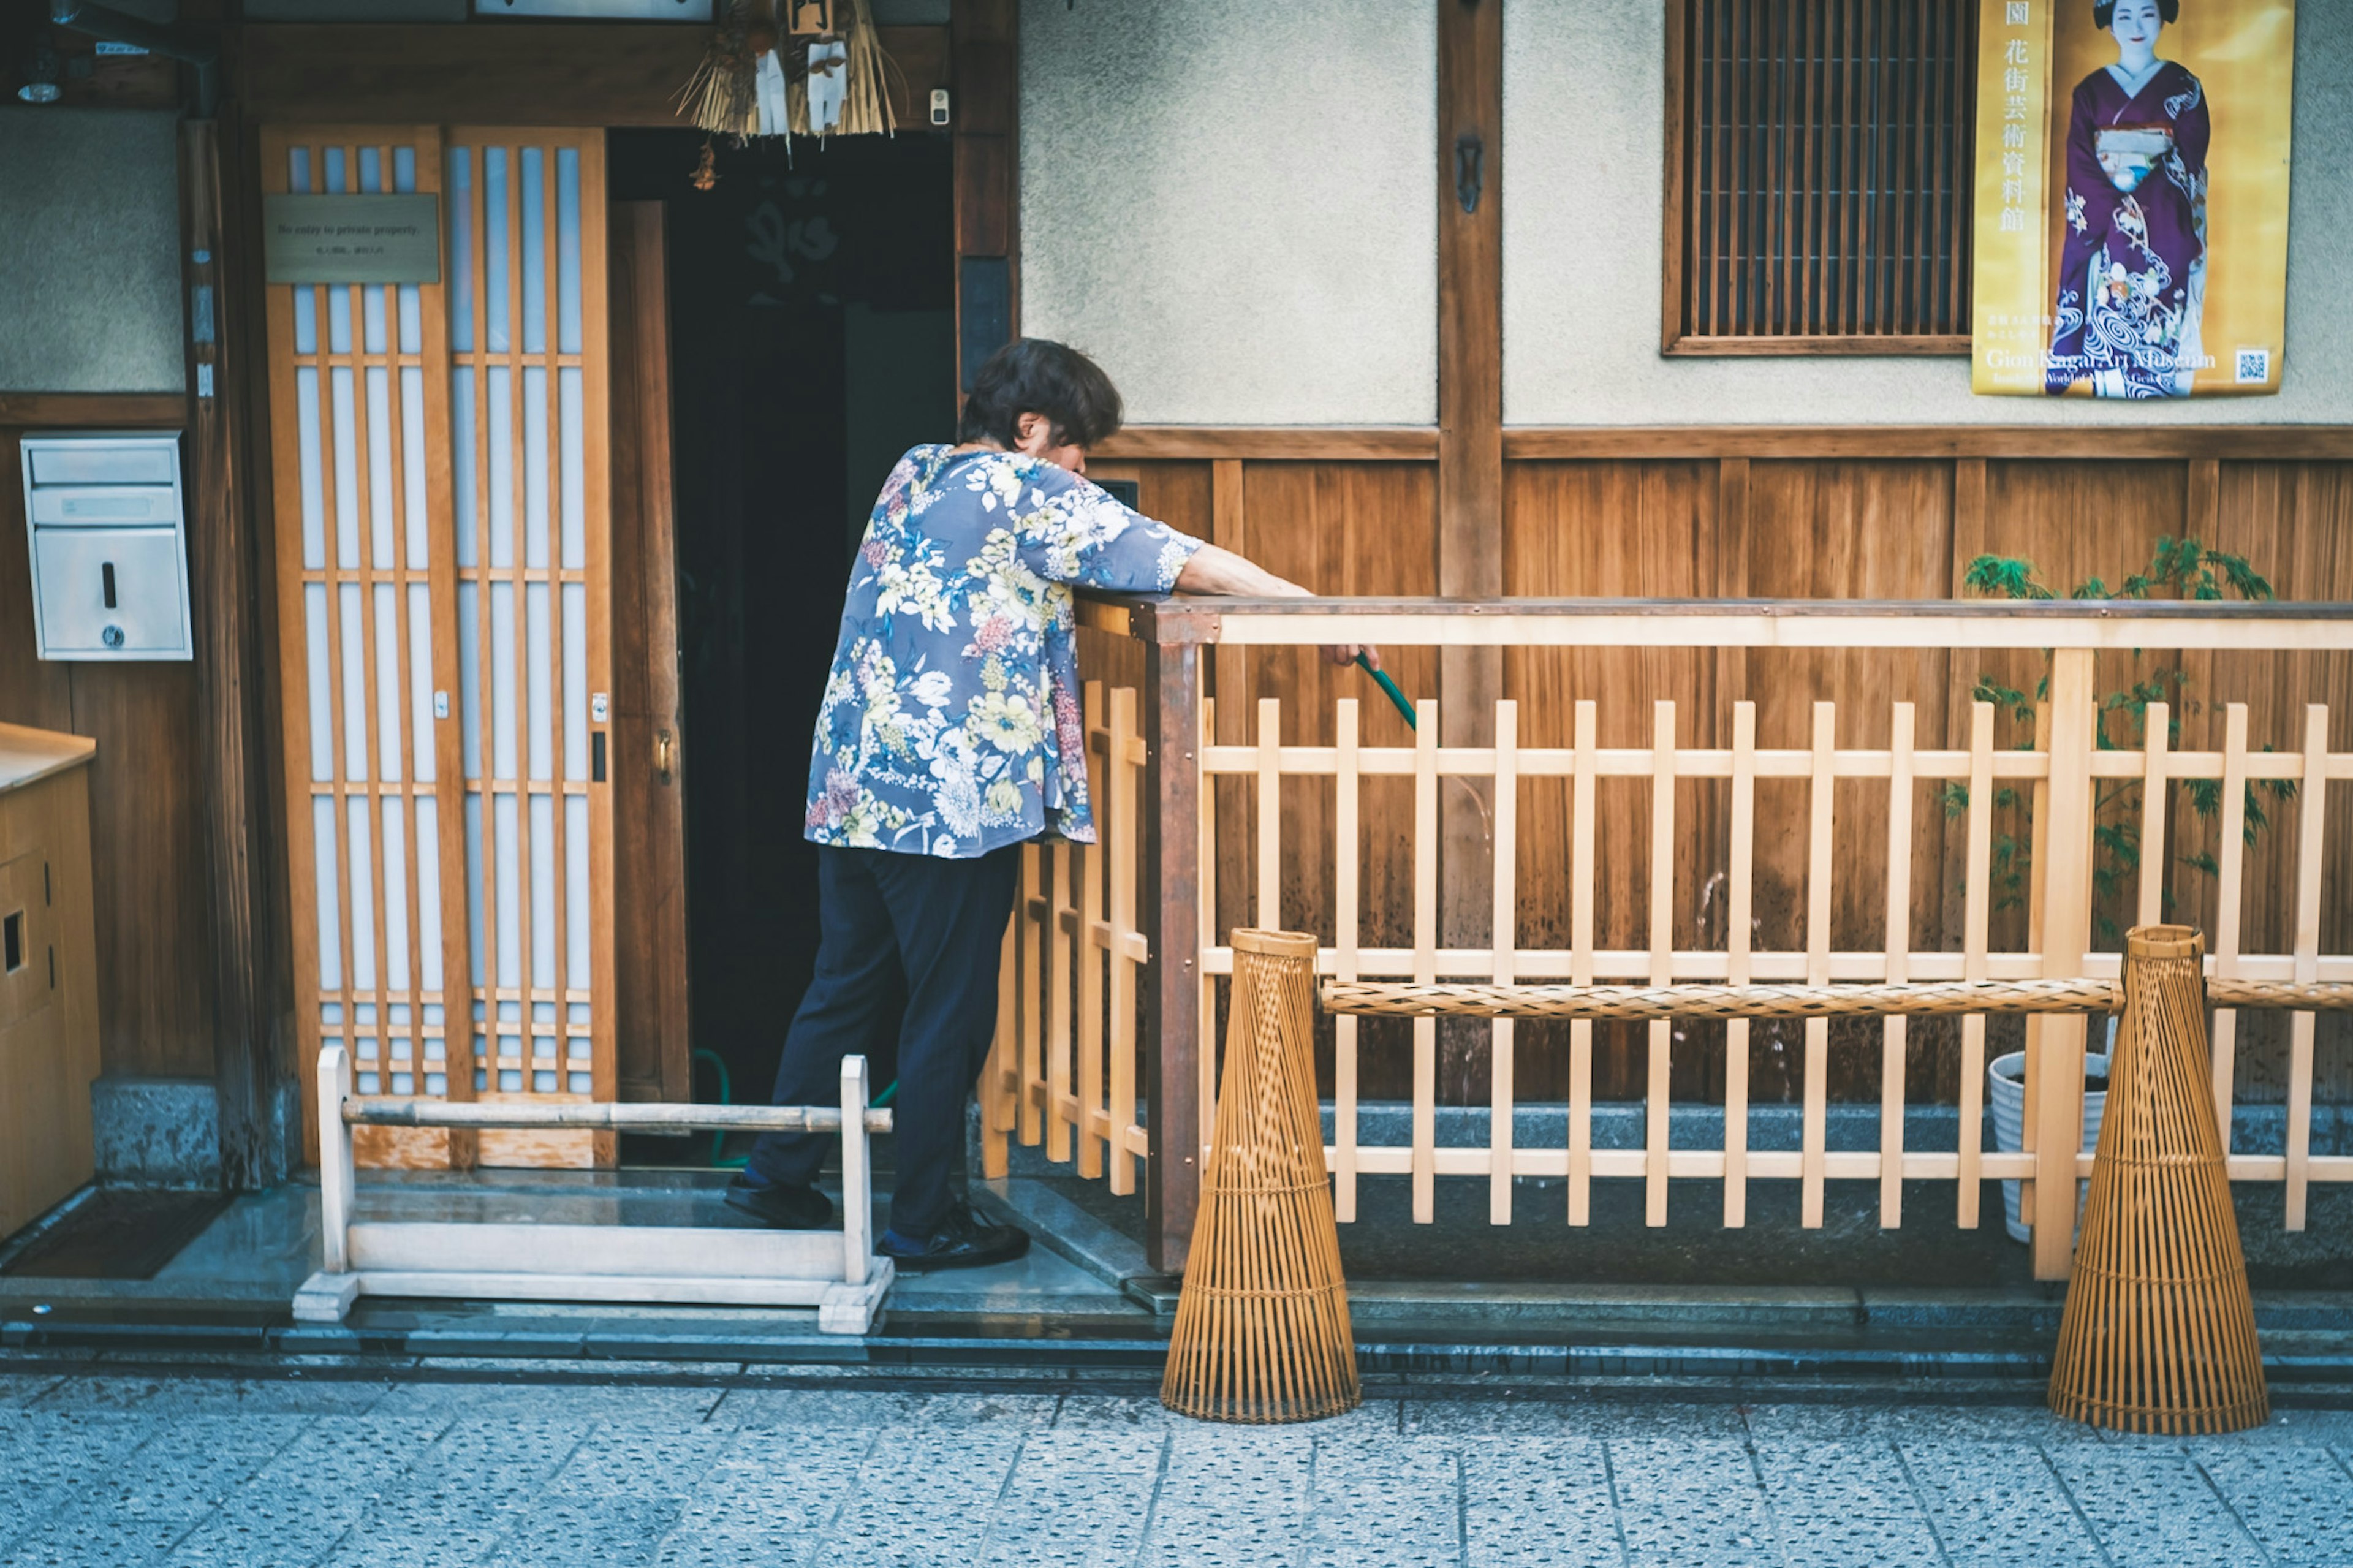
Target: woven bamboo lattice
<point x="1370" y="999"/>
<point x="1262" y="1330"/>
<point x="2159" y="1331"/>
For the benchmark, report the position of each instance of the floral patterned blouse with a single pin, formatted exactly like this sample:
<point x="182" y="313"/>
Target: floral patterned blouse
<point x="951" y="721"/>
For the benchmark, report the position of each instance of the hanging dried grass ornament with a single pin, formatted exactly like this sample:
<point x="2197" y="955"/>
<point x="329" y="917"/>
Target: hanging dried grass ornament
<point x="722" y="97"/>
<point x="866" y="99"/>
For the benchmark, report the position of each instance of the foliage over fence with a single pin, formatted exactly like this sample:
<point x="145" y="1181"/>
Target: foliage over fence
<point x="2183" y="568"/>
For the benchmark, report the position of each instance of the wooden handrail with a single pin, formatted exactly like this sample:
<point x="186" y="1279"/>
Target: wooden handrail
<point x="624" y="1118"/>
<point x="1183" y="619"/>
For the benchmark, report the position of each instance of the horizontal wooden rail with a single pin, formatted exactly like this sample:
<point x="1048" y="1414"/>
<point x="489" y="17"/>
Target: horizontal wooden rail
<point x="1370" y="999"/>
<point x="2125" y="624"/>
<point x="628" y="1117"/>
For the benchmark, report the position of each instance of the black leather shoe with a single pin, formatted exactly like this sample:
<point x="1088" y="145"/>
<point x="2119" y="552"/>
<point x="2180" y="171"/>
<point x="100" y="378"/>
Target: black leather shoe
<point x="785" y="1206"/>
<point x="961" y="1242"/>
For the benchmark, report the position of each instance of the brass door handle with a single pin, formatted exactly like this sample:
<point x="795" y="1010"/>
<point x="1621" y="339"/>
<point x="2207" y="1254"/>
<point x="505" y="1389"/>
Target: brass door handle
<point x="665" y="750"/>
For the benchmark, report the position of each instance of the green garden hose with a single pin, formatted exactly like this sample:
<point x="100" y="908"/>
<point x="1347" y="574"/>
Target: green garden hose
<point x="1403" y="707"/>
<point x="727" y="1097"/>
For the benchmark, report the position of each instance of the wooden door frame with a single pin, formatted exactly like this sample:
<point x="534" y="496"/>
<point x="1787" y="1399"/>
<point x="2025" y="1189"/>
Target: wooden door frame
<point x="648" y="735"/>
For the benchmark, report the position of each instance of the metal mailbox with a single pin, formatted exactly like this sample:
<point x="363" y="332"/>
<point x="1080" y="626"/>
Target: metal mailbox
<point x="109" y="545"/>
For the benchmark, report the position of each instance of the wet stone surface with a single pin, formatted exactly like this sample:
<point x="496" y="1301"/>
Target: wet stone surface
<point x="720" y="1470"/>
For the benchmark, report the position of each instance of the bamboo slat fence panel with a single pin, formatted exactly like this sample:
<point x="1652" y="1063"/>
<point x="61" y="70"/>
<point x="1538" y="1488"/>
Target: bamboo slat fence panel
<point x="1907" y="768"/>
<point x="1073" y="1063"/>
<point x="1061" y="1070"/>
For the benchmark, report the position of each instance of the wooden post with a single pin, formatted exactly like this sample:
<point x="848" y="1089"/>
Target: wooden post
<point x="336" y="1172"/>
<point x="250" y="1064"/>
<point x="1172" y="887"/>
<point x="985" y="46"/>
<point x="2064" y="870"/>
<point x="1470" y="459"/>
<point x="857" y="1174"/>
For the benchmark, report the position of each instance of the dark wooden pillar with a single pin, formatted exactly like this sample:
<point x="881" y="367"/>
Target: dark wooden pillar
<point x="1469" y="458"/>
<point x="251" y="1068"/>
<point x="984" y="112"/>
<point x="1171" y="981"/>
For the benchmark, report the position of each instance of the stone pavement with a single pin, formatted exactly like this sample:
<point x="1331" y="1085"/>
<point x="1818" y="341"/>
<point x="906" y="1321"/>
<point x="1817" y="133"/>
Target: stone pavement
<point x="724" y="1467"/>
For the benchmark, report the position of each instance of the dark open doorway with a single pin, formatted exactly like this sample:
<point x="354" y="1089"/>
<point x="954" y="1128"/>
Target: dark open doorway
<point x="812" y="341"/>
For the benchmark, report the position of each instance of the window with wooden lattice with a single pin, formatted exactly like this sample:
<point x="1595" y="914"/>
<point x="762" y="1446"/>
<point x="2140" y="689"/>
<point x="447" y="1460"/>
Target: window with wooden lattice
<point x="1819" y="176"/>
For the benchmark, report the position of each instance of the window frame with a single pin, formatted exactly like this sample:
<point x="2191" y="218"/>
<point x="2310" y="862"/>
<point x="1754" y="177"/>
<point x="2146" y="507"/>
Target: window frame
<point x="1676" y="341"/>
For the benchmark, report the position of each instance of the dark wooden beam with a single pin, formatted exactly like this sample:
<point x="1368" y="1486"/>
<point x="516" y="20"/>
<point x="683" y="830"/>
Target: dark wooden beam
<point x="1171" y="878"/>
<point x="552" y="73"/>
<point x="1469" y="458"/>
<point x="251" y="1069"/>
<point x="1342" y="444"/>
<point x="93" y="410"/>
<point x="2090" y="439"/>
<point x="985" y="111"/>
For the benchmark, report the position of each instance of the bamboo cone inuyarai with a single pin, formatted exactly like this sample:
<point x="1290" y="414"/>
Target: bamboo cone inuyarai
<point x="2159" y="1331"/>
<point x="1263" y="1328"/>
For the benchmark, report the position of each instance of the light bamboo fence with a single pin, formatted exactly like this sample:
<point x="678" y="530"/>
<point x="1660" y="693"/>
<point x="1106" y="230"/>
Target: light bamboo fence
<point x="1064" y="1069"/>
<point x="1063" y="1066"/>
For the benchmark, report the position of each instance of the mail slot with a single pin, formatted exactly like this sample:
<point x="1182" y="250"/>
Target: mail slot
<point x="109" y="546"/>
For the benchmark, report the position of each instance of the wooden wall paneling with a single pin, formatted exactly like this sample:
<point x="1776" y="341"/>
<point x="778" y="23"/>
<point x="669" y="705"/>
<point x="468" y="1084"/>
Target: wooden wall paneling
<point x="1346" y="529"/>
<point x="1969" y="527"/>
<point x="2290" y="522"/>
<point x="2074" y="520"/>
<point x="1234" y="722"/>
<point x="1470" y="473"/>
<point x="1847" y="531"/>
<point x="985" y="57"/>
<point x="1176" y="493"/>
<point x="150" y="866"/>
<point x="650" y="1000"/>
<point x="1644" y="529"/>
<point x="571" y="73"/>
<point x="253" y="1065"/>
<point x="34" y="691"/>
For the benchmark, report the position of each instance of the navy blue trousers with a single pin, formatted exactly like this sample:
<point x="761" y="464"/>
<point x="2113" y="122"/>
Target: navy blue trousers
<point x="942" y="924"/>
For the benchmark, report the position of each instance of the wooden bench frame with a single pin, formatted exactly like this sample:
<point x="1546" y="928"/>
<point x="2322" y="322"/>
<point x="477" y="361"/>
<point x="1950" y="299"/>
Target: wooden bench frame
<point x="839" y="1275"/>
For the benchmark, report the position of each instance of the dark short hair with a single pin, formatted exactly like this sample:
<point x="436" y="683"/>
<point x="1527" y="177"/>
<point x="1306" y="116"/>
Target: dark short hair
<point x="2104" y="11"/>
<point x="1054" y="381"/>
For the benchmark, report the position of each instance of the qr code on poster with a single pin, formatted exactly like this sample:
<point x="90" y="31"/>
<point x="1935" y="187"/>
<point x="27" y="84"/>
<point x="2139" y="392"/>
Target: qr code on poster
<point x="2254" y="367"/>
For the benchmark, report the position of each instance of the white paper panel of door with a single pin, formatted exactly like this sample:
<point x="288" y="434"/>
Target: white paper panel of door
<point x="519" y="445"/>
<point x="434" y="442"/>
<point x="369" y="623"/>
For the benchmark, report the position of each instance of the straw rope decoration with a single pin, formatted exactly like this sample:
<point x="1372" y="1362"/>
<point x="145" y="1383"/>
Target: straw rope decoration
<point x="1262" y="1331"/>
<point x="2160" y="1332"/>
<point x="866" y="96"/>
<point x="722" y="97"/>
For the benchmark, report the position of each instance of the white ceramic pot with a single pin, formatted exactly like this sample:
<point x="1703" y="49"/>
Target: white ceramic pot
<point x="2006" y="1088"/>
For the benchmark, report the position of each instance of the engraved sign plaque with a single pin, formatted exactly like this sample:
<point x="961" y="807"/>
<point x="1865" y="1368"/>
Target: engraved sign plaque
<point x="352" y="239"/>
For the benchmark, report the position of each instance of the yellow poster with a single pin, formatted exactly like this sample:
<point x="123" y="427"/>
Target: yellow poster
<point x="2132" y="196"/>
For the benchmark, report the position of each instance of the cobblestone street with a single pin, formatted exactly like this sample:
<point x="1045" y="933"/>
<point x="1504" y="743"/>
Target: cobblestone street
<point x="720" y="1468"/>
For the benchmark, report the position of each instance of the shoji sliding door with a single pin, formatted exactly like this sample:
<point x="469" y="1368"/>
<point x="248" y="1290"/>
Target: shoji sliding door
<point x="439" y="454"/>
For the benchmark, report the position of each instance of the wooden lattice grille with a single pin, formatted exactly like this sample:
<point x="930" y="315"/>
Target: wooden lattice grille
<point x="442" y="539"/>
<point x="1819" y="175"/>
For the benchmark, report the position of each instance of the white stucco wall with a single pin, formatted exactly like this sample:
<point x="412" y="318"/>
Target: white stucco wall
<point x="1233" y="205"/>
<point x="1584" y="112"/>
<point x="90" y="251"/>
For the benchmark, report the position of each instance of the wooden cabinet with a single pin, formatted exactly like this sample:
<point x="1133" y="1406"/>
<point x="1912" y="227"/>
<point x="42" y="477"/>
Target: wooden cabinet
<point x="48" y="991"/>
